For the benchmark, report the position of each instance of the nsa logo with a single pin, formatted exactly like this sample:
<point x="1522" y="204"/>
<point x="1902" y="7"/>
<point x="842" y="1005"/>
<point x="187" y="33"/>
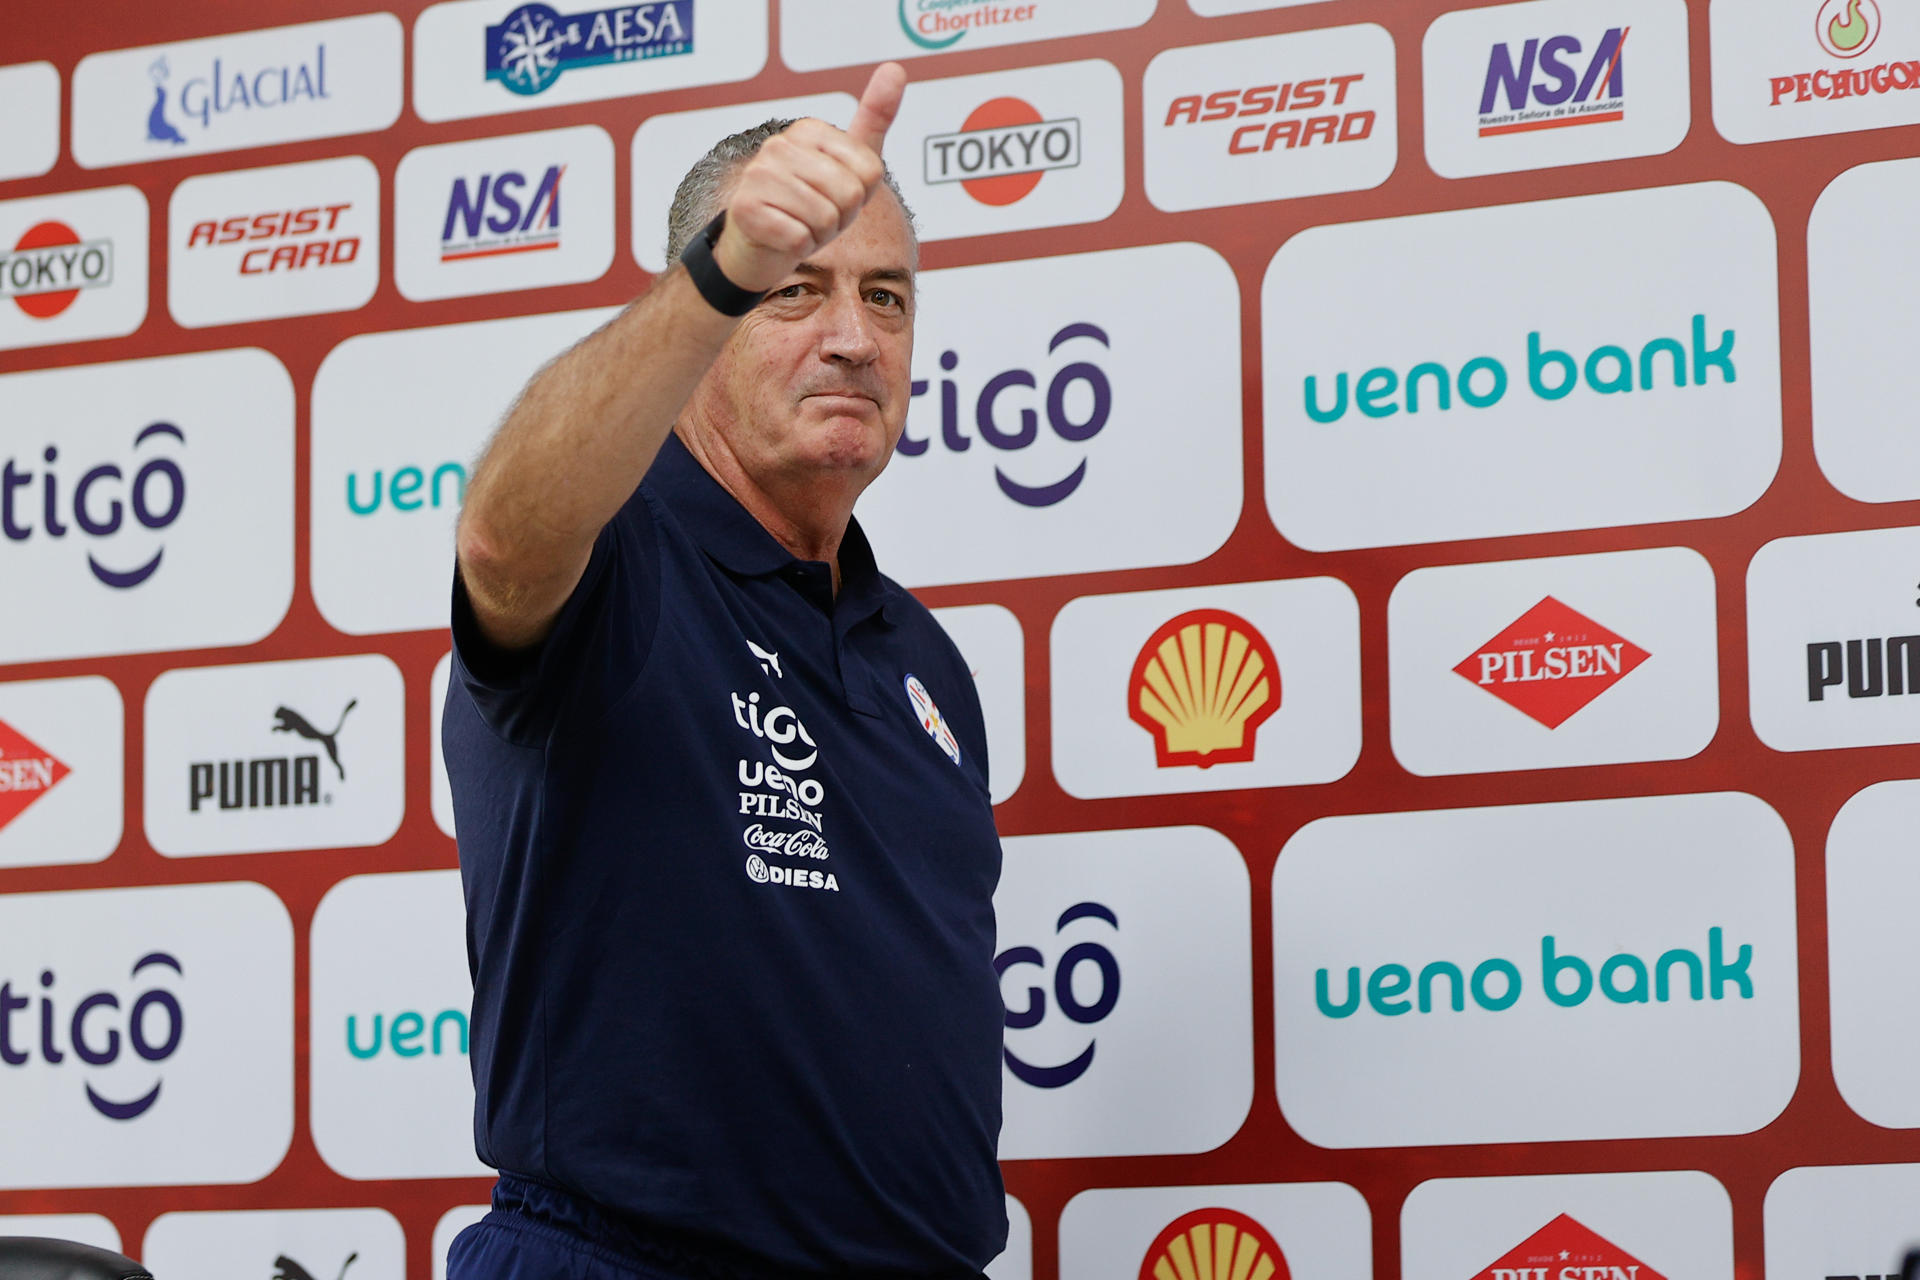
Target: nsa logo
<point x="1551" y="662"/>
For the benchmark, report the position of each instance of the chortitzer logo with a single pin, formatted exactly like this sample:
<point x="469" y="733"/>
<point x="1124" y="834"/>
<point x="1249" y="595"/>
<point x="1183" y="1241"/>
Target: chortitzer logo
<point x="497" y="215"/>
<point x="1551" y="662"/>
<point x="1078" y="402"/>
<point x="157" y="495"/>
<point x="1066" y="998"/>
<point x="268" y="782"/>
<point x="939" y="24"/>
<point x="1544" y="91"/>
<point x="153" y="1025"/>
<point x="228" y="88"/>
<point x="1566" y="1250"/>
<point x="283" y="239"/>
<point x="27" y="772"/>
<point x="528" y="51"/>
<point x="1289" y="102"/>
<point x="49" y="265"/>
<point x="1003" y="149"/>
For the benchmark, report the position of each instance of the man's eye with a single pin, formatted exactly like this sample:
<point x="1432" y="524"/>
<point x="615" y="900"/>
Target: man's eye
<point x="791" y="291"/>
<point x="885" y="297"/>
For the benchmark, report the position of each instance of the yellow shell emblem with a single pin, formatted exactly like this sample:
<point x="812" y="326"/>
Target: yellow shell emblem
<point x="1202" y="686"/>
<point x="1214" y="1244"/>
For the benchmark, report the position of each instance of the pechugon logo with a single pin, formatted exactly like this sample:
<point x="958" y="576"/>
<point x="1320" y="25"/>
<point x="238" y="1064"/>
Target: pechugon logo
<point x="1065" y="994"/>
<point x="1214" y="1244"/>
<point x="1847" y="28"/>
<point x="528" y="51"/>
<point x="153" y="1024"/>
<point x="940" y="24"/>
<point x="27" y="772"/>
<point x="1550" y="662"/>
<point x="1565" y="1249"/>
<point x="1202" y="685"/>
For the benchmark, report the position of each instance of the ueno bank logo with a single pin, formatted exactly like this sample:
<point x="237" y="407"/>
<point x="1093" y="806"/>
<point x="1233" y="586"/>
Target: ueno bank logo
<point x="1202" y="685"/>
<point x="410" y="488"/>
<point x="1551" y="661"/>
<point x="1543" y="88"/>
<point x="529" y="51"/>
<point x="1066" y="995"/>
<point x="1565" y="1249"/>
<point x="941" y="24"/>
<point x="1078" y="401"/>
<point x="1220" y="1244"/>
<point x="96" y="505"/>
<point x="27" y="772"/>
<point x="503" y="213"/>
<point x="93" y="1024"/>
<point x="1002" y="150"/>
<point x="50" y="265"/>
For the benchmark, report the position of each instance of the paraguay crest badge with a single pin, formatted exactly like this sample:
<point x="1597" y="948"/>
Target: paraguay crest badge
<point x="928" y="714"/>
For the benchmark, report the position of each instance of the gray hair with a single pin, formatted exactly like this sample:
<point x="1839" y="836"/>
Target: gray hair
<point x="701" y="193"/>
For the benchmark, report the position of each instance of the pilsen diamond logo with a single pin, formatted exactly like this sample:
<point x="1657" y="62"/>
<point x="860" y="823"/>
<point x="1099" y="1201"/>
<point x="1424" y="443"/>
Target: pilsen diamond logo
<point x="26" y="772"/>
<point x="1565" y="1250"/>
<point x="1551" y="661"/>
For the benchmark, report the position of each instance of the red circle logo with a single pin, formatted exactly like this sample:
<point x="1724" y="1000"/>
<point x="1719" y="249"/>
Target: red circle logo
<point x="1214" y="1242"/>
<point x="46" y="235"/>
<point x="996" y="114"/>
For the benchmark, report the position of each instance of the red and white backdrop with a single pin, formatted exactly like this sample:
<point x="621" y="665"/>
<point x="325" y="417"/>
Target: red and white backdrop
<point x="1426" y="493"/>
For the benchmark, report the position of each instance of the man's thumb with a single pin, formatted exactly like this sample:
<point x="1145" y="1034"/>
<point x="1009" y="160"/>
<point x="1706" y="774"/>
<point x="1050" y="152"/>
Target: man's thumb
<point x="878" y="106"/>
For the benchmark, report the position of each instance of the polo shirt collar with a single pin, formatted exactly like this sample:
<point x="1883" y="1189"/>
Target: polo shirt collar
<point x="729" y="534"/>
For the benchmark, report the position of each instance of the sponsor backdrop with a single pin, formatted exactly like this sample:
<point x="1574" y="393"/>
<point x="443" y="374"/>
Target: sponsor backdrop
<point x="1423" y="488"/>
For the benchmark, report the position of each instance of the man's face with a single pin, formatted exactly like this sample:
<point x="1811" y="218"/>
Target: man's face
<point x="816" y="378"/>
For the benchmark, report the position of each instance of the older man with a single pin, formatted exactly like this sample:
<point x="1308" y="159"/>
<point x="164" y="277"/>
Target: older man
<point x="721" y="786"/>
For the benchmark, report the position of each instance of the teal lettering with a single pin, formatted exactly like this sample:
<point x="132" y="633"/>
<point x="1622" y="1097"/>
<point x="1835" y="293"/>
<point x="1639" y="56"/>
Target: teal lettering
<point x="406" y="482"/>
<point x="459" y="1021"/>
<point x="1672" y="348"/>
<point x="1457" y="984"/>
<point x="353" y="502"/>
<point x="1552" y="966"/>
<point x="402" y="1041"/>
<point x="459" y="474"/>
<point x="1622" y="379"/>
<point x="1388" y="981"/>
<point x="1487" y="969"/>
<point x="1537" y="362"/>
<point x="1720" y="357"/>
<point x="1636" y="992"/>
<point x="1327" y="1006"/>
<point x="1443" y="389"/>
<point x="1374" y="386"/>
<point x="1339" y="409"/>
<point x="371" y="1049"/>
<point x="1492" y="397"/>
<point x="1696" y="980"/>
<point x="1722" y="972"/>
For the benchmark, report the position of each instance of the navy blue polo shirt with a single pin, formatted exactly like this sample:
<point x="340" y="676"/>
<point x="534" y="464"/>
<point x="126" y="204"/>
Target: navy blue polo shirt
<point x="729" y="865"/>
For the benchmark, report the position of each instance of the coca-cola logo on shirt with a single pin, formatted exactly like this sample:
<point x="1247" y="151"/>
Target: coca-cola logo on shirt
<point x="794" y="844"/>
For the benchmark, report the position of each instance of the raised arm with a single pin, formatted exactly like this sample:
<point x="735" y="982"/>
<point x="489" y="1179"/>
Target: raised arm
<point x="586" y="428"/>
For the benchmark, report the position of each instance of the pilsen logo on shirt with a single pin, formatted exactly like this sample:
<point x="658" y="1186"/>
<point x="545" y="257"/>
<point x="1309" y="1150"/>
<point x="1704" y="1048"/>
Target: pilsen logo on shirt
<point x="27" y="772"/>
<point x="1566" y="1250"/>
<point x="1551" y="661"/>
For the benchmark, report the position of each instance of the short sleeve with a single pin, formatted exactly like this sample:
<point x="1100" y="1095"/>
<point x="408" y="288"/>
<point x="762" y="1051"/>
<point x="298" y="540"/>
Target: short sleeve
<point x="597" y="646"/>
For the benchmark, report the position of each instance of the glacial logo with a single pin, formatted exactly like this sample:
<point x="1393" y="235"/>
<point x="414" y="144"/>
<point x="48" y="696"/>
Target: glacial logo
<point x="940" y="24"/>
<point x="153" y="1025"/>
<point x="1001" y="151"/>
<point x="1563" y="94"/>
<point x="1565" y="979"/>
<point x="528" y="51"/>
<point x="445" y="486"/>
<point x="50" y="265"/>
<point x="400" y="1034"/>
<point x="281" y="240"/>
<point x="228" y="88"/>
<point x="1482" y="382"/>
<point x="498" y="215"/>
<point x="1088" y="1014"/>
<point x="99" y="502"/>
<point x="1075" y="418"/>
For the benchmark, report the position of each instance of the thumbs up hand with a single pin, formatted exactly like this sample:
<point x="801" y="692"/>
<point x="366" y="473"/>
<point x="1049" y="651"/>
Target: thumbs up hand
<point x="805" y="186"/>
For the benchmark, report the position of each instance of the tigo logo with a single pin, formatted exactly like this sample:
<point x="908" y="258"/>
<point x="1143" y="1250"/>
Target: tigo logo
<point x="1002" y="150"/>
<point x="1566" y="1250"/>
<point x="152" y="1038"/>
<point x="1270" y="118"/>
<point x="100" y="500"/>
<point x="1215" y="1243"/>
<point x="248" y="89"/>
<point x="528" y="51"/>
<point x="1542" y="91"/>
<point x="50" y="265"/>
<point x="1202" y="686"/>
<point x="26" y="772"/>
<point x="1551" y="661"/>
<point x="1066" y="998"/>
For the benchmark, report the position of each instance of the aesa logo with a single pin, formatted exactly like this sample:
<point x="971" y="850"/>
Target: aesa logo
<point x="27" y="772"/>
<point x="96" y="1028"/>
<point x="1566" y="1250"/>
<point x="940" y="24"/>
<point x="1214" y="1244"/>
<point x="528" y="51"/>
<point x="1203" y="685"/>
<point x="500" y="214"/>
<point x="1544" y="88"/>
<point x="1066" y="995"/>
<point x="1001" y="151"/>
<point x="50" y="265"/>
<point x="1551" y="662"/>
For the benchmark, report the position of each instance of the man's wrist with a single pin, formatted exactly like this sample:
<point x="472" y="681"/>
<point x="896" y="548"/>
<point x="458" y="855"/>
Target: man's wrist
<point x="722" y="294"/>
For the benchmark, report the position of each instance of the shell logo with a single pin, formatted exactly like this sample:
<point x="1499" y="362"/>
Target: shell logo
<point x="1203" y="685"/>
<point x="1214" y="1244"/>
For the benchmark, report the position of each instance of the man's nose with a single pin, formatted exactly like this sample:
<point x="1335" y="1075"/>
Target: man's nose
<point x="848" y="332"/>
